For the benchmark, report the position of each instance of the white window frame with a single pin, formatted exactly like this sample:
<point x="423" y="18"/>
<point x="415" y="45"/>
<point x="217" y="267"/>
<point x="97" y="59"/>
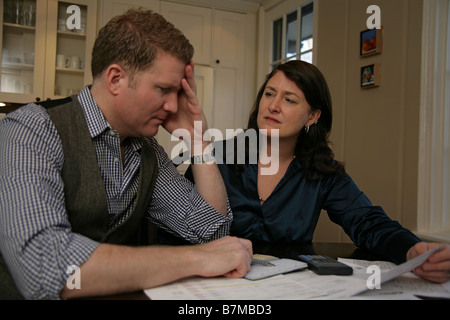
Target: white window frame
<point x="433" y="217"/>
<point x="298" y="52"/>
<point x="271" y="11"/>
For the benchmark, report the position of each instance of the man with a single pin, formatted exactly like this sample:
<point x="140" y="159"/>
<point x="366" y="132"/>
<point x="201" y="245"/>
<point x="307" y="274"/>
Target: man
<point x="80" y="176"/>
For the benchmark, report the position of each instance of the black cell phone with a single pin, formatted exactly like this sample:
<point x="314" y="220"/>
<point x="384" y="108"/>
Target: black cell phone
<point x="325" y="265"/>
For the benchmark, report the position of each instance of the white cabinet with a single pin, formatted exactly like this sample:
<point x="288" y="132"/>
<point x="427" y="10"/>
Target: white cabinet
<point x="196" y="24"/>
<point x="33" y="34"/>
<point x="111" y="8"/>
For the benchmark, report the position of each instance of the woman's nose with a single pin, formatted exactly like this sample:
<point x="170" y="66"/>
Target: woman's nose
<point x="274" y="106"/>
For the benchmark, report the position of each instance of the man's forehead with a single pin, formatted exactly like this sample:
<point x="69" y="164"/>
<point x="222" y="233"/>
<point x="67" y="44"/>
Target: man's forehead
<point x="168" y="70"/>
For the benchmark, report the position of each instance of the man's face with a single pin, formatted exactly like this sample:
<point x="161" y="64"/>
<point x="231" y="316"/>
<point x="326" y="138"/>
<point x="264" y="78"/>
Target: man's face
<point x="147" y="101"/>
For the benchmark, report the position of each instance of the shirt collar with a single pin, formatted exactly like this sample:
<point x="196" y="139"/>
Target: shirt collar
<point x="96" y="121"/>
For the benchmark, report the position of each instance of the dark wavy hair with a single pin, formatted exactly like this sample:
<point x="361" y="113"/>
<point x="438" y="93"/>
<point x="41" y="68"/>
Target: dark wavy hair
<point x="312" y="149"/>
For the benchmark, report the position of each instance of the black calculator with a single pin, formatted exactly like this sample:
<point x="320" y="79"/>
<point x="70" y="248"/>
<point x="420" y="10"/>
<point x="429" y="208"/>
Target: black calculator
<point x="325" y="265"/>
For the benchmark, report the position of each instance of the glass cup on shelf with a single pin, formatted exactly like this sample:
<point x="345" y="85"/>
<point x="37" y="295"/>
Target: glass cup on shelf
<point x="28" y="58"/>
<point x="21" y="12"/>
<point x="28" y="14"/>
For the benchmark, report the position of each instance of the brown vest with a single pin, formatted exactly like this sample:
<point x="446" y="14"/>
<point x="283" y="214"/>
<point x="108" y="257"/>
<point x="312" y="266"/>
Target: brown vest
<point x="85" y="194"/>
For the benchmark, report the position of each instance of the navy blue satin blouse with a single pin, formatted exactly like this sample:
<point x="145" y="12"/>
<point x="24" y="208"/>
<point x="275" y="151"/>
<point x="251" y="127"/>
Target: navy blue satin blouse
<point x="291" y="212"/>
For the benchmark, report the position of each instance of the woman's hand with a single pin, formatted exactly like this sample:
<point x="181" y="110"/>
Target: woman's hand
<point x="437" y="267"/>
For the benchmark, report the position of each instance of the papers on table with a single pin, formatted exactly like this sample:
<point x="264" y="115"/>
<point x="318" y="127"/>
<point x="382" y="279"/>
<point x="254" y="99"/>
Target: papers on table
<point x="221" y="288"/>
<point x="397" y="282"/>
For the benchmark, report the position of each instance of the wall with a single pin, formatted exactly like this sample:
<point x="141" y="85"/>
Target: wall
<point x="375" y="131"/>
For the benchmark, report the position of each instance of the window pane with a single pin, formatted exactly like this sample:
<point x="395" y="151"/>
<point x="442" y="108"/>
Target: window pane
<point x="308" y="57"/>
<point x="291" y="58"/>
<point x="291" y="34"/>
<point x="277" y="37"/>
<point x="306" y="32"/>
<point x="306" y="45"/>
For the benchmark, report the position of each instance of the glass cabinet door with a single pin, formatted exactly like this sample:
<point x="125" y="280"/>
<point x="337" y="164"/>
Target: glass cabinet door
<point x="70" y="34"/>
<point x="45" y="48"/>
<point x="70" y="50"/>
<point x="18" y="46"/>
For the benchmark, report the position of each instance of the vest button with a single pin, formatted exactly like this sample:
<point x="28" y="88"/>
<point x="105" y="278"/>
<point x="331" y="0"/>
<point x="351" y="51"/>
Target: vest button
<point x="116" y="160"/>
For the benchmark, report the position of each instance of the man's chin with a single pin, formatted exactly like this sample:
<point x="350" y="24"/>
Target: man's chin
<point x="151" y="132"/>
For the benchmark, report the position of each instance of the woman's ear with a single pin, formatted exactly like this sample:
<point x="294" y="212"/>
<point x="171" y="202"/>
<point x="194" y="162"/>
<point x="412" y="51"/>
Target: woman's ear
<point x="314" y="117"/>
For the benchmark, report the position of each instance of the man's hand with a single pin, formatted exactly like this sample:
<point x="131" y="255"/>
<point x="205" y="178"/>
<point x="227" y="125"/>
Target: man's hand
<point x="228" y="256"/>
<point x="189" y="109"/>
<point x="115" y="269"/>
<point x="437" y="267"/>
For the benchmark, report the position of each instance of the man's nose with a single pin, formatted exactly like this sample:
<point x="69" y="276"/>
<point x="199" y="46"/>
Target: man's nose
<point x="171" y="104"/>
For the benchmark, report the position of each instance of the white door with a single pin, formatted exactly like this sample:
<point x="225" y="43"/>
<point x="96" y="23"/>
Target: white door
<point x="229" y="64"/>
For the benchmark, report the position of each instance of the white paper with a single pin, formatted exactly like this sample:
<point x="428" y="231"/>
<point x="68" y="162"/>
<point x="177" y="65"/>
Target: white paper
<point x="221" y="288"/>
<point x="408" y="265"/>
<point x="397" y="282"/>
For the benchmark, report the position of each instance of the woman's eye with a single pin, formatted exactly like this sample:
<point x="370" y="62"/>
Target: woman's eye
<point x="291" y="101"/>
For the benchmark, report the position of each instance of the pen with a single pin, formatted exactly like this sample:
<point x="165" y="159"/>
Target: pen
<point x="262" y="262"/>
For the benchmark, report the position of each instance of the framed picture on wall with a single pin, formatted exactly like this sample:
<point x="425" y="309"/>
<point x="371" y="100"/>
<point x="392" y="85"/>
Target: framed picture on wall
<point x="370" y="76"/>
<point x="371" y="42"/>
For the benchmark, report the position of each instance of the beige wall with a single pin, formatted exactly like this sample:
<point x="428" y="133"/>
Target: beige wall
<point x="375" y="131"/>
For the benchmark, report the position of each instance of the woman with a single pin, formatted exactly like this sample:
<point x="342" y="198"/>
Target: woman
<point x="294" y="104"/>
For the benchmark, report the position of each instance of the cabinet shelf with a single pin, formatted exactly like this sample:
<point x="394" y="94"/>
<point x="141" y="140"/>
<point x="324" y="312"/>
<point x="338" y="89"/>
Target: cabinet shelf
<point x="71" y="34"/>
<point x="17" y="65"/>
<point x="17" y="28"/>
<point x="70" y="70"/>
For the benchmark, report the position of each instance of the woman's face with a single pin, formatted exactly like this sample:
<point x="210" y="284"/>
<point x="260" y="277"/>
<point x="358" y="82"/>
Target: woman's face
<point x="283" y="106"/>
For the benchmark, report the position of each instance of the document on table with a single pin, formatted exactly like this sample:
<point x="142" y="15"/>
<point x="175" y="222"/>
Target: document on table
<point x="221" y="288"/>
<point x="397" y="282"/>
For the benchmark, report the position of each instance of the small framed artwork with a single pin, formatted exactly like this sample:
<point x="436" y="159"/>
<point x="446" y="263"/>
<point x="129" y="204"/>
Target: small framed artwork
<point x="371" y="42"/>
<point x="370" y="76"/>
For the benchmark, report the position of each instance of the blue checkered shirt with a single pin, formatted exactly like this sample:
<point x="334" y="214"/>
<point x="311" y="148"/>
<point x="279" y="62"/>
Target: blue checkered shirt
<point x="36" y="239"/>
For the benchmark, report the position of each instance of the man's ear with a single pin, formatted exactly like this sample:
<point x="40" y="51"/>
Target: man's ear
<point x="116" y="78"/>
